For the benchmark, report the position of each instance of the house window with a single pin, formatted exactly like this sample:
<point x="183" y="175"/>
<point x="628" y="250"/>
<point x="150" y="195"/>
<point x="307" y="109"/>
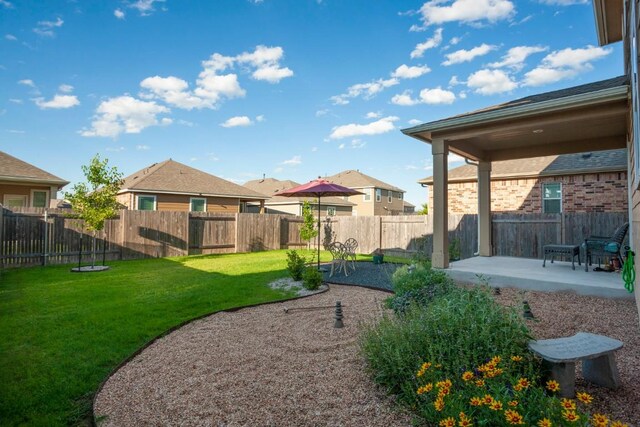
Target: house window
<point x="378" y="194"/>
<point x="14" y="201"/>
<point x="331" y="211"/>
<point x="552" y="197"/>
<point x="367" y="194"/>
<point x="399" y="195"/>
<point x="198" y="204"/>
<point x="146" y="203"/>
<point x="389" y="196"/>
<point x="39" y="198"/>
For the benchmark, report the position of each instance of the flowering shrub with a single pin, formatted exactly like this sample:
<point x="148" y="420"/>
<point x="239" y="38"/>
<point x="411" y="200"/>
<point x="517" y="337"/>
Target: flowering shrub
<point x="497" y="394"/>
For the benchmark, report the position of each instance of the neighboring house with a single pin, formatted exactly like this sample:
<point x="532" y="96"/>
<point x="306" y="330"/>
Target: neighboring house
<point x="582" y="182"/>
<point x="329" y="206"/>
<point x="409" y="209"/>
<point x="379" y="198"/>
<point x="173" y="186"/>
<point x="24" y="185"/>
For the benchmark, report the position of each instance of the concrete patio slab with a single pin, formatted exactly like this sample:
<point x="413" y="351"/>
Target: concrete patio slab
<point x="526" y="273"/>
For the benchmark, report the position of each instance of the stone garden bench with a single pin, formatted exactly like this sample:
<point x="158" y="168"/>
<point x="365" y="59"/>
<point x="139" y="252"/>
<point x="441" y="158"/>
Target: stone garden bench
<point x="595" y="351"/>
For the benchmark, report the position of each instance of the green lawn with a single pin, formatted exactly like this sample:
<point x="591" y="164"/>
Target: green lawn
<point x="61" y="333"/>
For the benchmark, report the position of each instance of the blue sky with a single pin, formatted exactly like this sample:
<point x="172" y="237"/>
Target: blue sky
<point x="290" y="89"/>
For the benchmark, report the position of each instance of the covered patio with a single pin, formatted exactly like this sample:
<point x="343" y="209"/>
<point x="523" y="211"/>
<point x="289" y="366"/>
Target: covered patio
<point x="590" y="117"/>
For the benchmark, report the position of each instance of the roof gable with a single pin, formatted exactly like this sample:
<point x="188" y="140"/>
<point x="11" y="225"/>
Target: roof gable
<point x="272" y="186"/>
<point x="14" y="169"/>
<point x="174" y="177"/>
<point x="356" y="179"/>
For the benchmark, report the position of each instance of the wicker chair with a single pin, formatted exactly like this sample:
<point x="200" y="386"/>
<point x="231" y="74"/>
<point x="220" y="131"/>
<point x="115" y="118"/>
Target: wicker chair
<point x="602" y="246"/>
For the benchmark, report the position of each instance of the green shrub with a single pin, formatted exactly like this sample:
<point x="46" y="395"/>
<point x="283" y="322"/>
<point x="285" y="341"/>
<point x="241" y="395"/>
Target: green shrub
<point x="311" y="278"/>
<point x="418" y="284"/>
<point x="295" y="264"/>
<point x="463" y="328"/>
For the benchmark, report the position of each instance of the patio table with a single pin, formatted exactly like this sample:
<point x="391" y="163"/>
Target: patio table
<point x="563" y="250"/>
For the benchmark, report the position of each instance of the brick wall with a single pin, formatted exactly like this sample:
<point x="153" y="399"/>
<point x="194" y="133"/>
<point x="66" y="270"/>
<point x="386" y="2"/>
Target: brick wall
<point x="598" y="192"/>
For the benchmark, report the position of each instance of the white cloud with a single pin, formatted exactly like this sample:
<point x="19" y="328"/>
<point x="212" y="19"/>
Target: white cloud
<point x="266" y="60"/>
<point x="427" y="96"/>
<point x="10" y="37"/>
<point x="142" y="147"/>
<point x="314" y="149"/>
<point x="341" y="146"/>
<point x="414" y="122"/>
<point x="406" y="72"/>
<point x="516" y="56"/>
<point x="27" y="82"/>
<point x="321" y="113"/>
<point x="46" y="28"/>
<point x="373" y="115"/>
<point x="462" y="95"/>
<point x="58" y="102"/>
<point x="366" y="90"/>
<point x="65" y="88"/>
<point x="118" y="13"/>
<point x="428" y="44"/>
<point x="295" y="160"/>
<point x="174" y="91"/>
<point x="358" y="143"/>
<point x="455" y="40"/>
<point x="124" y="114"/>
<point x="436" y="12"/>
<point x="16" y="101"/>
<point x="278" y="170"/>
<point x="145" y="7"/>
<point x="6" y="4"/>
<point x="463" y="55"/>
<point x="237" y="121"/>
<point x="489" y="82"/>
<point x="563" y="64"/>
<point x="453" y="81"/>
<point x="16" y="131"/>
<point x="437" y="96"/>
<point x="260" y="118"/>
<point x="380" y="126"/>
<point x="115" y="149"/>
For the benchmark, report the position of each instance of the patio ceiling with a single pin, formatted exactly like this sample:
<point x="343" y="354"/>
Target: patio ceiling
<point x="585" y="118"/>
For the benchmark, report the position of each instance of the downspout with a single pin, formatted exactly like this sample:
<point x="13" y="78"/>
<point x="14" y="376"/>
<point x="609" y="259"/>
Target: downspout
<point x="469" y="162"/>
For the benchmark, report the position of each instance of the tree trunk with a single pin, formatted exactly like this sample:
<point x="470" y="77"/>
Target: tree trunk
<point x="93" y="251"/>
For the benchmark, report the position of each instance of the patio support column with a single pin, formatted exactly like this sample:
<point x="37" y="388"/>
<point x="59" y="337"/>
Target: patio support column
<point x="440" y="256"/>
<point x="484" y="208"/>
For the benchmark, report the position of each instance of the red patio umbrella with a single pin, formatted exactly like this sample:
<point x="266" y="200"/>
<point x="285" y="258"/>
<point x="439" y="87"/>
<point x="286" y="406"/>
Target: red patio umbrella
<point x="319" y="188"/>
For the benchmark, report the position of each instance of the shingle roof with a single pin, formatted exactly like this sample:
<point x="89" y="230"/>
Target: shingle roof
<point x="533" y="99"/>
<point x="357" y="179"/>
<point x="14" y="169"/>
<point x="272" y="186"/>
<point x="174" y="177"/>
<point x="566" y="164"/>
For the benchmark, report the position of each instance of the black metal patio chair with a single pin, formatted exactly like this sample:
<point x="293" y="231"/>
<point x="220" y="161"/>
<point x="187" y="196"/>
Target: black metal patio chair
<point x="604" y="246"/>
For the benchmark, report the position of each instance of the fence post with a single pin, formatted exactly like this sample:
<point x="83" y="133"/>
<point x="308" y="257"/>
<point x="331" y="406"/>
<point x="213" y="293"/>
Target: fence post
<point x="379" y="225"/>
<point x="45" y="238"/>
<point x="235" y="244"/>
<point x="1" y="237"/>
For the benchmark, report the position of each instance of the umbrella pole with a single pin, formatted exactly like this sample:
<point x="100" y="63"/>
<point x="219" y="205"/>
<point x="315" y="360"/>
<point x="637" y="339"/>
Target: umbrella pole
<point x="318" y="232"/>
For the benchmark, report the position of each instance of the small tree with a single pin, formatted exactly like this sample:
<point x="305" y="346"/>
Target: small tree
<point x="309" y="228"/>
<point x="95" y="202"/>
<point x="424" y="210"/>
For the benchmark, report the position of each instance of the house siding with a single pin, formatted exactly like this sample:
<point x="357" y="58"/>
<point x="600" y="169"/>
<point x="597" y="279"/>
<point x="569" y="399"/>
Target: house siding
<point x="599" y="192"/>
<point x="25" y="190"/>
<point x="181" y="203"/>
<point x="371" y="207"/>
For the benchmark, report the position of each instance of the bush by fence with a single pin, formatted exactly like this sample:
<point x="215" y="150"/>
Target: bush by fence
<point x="35" y="236"/>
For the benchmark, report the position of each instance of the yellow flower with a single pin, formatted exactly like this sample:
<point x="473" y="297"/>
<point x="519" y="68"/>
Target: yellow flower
<point x="423" y="369"/>
<point x="513" y="403"/>
<point x="475" y="401"/>
<point x="487" y="399"/>
<point x="584" y="397"/>
<point x="553" y="385"/>
<point x="496" y="359"/>
<point x="516" y="358"/>
<point x="468" y="375"/>
<point x="464" y="420"/>
<point x="513" y="417"/>
<point x="524" y="383"/>
<point x="619" y="424"/>
<point x="568" y="404"/>
<point x="448" y="422"/>
<point x="439" y="404"/>
<point x="444" y="391"/>
<point x="545" y="422"/>
<point x="570" y="416"/>
<point x="480" y="383"/>
<point x="599" y="420"/>
<point x="496" y="405"/>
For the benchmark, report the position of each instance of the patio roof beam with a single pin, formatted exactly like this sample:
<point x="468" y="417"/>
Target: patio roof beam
<point x="566" y="147"/>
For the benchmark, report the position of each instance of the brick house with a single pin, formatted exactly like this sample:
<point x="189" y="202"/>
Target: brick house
<point x="379" y="198"/>
<point x="173" y="186"/>
<point x="25" y="185"/>
<point x="329" y="206"/>
<point x="582" y="182"/>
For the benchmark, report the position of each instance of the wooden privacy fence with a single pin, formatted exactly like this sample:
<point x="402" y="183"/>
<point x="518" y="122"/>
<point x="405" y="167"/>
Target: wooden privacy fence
<point x="32" y="236"/>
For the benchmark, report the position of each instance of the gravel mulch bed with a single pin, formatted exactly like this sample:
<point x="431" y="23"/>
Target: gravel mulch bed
<point x="563" y="314"/>
<point x="258" y="366"/>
